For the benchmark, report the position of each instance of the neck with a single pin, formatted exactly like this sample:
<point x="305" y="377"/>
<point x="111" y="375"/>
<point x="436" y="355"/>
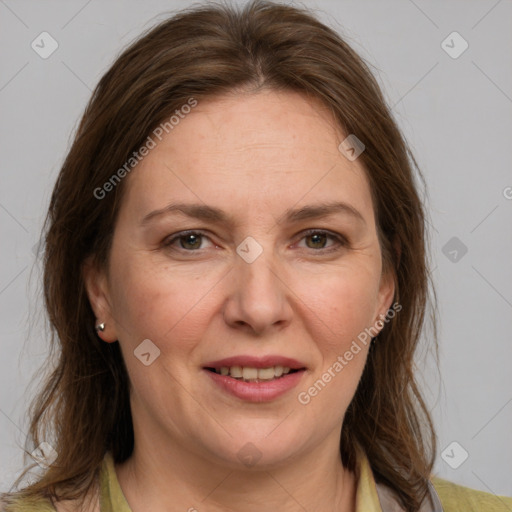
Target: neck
<point x="177" y="479"/>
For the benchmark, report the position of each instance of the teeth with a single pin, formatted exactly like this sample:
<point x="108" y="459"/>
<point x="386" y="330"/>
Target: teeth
<point x="236" y="371"/>
<point x="250" y="374"/>
<point x="265" y="373"/>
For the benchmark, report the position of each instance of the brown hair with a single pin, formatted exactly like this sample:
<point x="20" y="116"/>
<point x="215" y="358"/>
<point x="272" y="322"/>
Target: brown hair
<point x="83" y="409"/>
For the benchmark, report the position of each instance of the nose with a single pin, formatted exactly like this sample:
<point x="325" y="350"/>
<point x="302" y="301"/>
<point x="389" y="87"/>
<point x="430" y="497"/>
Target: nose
<point x="258" y="298"/>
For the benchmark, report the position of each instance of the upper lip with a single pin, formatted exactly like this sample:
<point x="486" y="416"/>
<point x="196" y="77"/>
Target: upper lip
<point x="256" y="362"/>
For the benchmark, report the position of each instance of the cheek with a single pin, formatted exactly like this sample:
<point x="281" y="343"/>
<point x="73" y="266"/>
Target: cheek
<point x="339" y="308"/>
<point x="340" y="303"/>
<point x="161" y="303"/>
<point x="172" y="310"/>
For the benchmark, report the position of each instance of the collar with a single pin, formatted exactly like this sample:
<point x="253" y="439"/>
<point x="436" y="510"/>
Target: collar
<point x="377" y="497"/>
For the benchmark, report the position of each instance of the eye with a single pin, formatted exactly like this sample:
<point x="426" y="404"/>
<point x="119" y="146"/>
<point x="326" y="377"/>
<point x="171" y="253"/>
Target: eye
<point x="187" y="241"/>
<point x="317" y="239"/>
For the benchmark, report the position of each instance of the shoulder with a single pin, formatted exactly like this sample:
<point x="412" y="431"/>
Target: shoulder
<point x="26" y="505"/>
<point x="44" y="505"/>
<point x="30" y="504"/>
<point x="457" y="498"/>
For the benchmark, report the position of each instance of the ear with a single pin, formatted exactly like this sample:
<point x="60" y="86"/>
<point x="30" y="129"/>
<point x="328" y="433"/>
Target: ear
<point x="387" y="287"/>
<point x="97" y="289"/>
<point x="385" y="294"/>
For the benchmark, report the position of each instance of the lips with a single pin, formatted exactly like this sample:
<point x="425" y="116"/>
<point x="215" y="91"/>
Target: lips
<point x="255" y="379"/>
<point x="255" y="362"/>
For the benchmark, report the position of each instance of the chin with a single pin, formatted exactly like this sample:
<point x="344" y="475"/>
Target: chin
<point x="247" y="452"/>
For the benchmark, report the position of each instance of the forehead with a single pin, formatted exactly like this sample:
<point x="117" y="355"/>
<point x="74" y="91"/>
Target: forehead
<point x="245" y="150"/>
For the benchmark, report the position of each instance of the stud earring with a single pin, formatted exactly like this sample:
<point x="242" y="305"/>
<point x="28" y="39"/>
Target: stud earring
<point x="100" y="327"/>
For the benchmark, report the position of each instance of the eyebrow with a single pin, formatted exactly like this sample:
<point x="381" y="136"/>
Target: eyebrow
<point x="218" y="216"/>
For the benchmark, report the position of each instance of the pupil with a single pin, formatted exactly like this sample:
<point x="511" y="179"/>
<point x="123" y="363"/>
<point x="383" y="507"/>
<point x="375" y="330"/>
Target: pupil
<point x="318" y="238"/>
<point x="193" y="243"/>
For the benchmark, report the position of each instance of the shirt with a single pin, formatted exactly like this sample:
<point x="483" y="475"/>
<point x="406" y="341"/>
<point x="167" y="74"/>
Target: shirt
<point x="370" y="497"/>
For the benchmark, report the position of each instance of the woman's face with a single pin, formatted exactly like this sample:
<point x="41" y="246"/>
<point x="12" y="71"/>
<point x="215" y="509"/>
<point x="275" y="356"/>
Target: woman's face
<point x="273" y="275"/>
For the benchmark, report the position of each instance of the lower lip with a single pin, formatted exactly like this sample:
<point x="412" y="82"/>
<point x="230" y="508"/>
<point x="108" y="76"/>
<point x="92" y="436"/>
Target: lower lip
<point x="256" y="391"/>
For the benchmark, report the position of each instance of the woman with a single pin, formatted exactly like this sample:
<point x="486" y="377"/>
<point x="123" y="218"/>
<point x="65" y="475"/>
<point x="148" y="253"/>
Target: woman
<point x="236" y="275"/>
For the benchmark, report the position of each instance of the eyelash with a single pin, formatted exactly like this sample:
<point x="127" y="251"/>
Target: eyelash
<point x="341" y="240"/>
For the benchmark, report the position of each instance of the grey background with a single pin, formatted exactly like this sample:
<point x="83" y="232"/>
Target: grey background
<point x="456" y="114"/>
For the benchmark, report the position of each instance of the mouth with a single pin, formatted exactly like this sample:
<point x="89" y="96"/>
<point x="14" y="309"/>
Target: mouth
<point x="253" y="374"/>
<point x="255" y="379"/>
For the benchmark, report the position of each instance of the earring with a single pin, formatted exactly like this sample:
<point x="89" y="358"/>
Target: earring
<point x="100" y="327"/>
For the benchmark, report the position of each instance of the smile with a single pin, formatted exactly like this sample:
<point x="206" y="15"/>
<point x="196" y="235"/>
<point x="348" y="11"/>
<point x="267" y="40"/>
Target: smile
<point x="252" y="374"/>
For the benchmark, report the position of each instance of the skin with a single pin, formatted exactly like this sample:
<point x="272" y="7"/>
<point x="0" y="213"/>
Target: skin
<point x="253" y="155"/>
